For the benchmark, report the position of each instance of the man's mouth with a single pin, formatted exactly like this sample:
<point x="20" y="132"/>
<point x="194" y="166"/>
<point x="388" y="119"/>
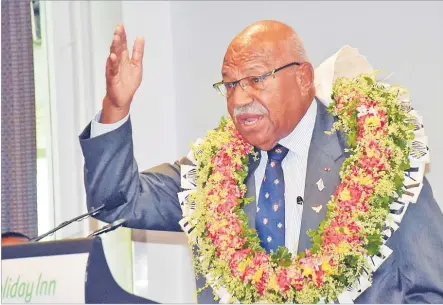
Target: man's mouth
<point x="247" y="119"/>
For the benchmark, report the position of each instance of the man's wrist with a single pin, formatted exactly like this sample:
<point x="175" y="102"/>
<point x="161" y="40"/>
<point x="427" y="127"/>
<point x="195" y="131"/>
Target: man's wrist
<point x="112" y="114"/>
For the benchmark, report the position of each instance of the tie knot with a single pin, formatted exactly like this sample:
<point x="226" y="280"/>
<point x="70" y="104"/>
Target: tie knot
<point x="278" y="153"/>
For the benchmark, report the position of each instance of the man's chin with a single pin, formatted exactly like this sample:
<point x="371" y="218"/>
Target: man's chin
<point x="259" y="142"/>
<point x="257" y="138"/>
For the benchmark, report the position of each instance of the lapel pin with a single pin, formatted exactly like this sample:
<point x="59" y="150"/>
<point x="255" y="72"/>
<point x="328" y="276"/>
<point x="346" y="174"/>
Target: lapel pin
<point x="317" y="208"/>
<point x="320" y="185"/>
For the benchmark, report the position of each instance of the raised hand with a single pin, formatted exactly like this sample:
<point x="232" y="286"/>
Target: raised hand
<point x="123" y="76"/>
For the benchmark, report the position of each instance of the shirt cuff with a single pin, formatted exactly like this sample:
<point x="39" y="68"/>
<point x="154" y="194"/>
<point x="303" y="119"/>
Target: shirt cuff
<point x="98" y="128"/>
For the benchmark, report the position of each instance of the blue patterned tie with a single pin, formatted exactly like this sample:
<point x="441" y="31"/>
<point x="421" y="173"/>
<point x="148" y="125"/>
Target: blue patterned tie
<point x="270" y="220"/>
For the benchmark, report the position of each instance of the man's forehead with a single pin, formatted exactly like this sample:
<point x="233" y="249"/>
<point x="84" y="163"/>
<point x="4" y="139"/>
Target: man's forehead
<point x="246" y="62"/>
<point x="246" y="68"/>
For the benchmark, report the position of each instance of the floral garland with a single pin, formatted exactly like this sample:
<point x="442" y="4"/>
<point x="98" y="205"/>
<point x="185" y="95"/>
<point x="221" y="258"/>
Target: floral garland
<point x="361" y="215"/>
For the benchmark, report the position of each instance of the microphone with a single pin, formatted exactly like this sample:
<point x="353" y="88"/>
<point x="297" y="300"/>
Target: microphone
<point x="93" y="212"/>
<point x="299" y="200"/>
<point x="108" y="228"/>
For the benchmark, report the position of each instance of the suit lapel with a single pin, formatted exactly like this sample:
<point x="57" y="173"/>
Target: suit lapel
<point x="325" y="152"/>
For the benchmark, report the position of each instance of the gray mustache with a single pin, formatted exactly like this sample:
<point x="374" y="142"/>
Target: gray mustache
<point x="252" y="108"/>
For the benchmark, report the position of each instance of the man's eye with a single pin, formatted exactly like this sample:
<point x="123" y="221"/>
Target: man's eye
<point x="257" y="79"/>
<point x="229" y="85"/>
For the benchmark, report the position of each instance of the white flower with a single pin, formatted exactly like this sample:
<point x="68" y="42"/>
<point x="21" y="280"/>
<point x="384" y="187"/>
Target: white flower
<point x="372" y="111"/>
<point x="362" y="111"/>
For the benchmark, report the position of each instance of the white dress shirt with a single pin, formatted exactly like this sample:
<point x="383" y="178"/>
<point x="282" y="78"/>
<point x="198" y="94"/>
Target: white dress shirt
<point x="294" y="168"/>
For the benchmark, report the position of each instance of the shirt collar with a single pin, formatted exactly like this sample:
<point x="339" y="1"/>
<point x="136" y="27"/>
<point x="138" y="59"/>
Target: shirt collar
<point x="299" y="140"/>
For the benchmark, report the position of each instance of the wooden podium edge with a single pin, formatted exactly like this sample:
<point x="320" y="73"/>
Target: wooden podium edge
<point x="159" y="237"/>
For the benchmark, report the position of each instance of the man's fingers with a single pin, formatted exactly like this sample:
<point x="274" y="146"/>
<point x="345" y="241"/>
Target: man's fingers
<point x="112" y="65"/>
<point x="121" y="45"/>
<point x="138" y="51"/>
<point x="123" y="37"/>
<point x="116" y="46"/>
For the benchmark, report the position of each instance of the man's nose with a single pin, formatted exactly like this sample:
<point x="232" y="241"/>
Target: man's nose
<point x="240" y="96"/>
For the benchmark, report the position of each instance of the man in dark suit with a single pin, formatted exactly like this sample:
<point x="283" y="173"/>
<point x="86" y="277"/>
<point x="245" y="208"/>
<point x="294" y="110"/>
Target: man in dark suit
<point x="268" y="83"/>
<point x="14" y="238"/>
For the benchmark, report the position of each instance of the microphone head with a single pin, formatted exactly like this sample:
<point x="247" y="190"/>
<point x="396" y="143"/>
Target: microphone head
<point x="118" y="222"/>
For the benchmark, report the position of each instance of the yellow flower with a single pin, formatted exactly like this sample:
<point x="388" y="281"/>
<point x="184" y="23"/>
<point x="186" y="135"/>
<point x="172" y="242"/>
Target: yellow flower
<point x="373" y="121"/>
<point x="242" y="265"/>
<point x="326" y="267"/>
<point x="308" y="271"/>
<point x="217" y="177"/>
<point x="257" y="276"/>
<point x="362" y="179"/>
<point x="371" y="153"/>
<point x="344" y="230"/>
<point x="345" y="195"/>
<point x="219" y="224"/>
<point x="273" y="284"/>
<point x="342" y="248"/>
<point x="365" y="180"/>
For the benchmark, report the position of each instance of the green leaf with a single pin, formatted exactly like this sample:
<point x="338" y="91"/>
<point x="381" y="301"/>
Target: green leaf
<point x="400" y="142"/>
<point x="301" y="255"/>
<point x="322" y="225"/>
<point x="405" y="165"/>
<point x="374" y="243"/>
<point x="282" y="257"/>
<point x="311" y="233"/>
<point x="351" y="138"/>
<point x="398" y="180"/>
<point x="351" y="260"/>
<point x="315" y="248"/>
<point x="369" y="80"/>
<point x="247" y="200"/>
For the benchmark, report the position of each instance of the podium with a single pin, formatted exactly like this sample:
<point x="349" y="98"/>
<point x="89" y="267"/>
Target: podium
<point x="66" y="271"/>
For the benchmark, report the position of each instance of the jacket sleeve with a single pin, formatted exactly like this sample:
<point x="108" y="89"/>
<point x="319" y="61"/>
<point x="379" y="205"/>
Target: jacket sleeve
<point x="147" y="200"/>
<point x="414" y="271"/>
<point x="420" y="249"/>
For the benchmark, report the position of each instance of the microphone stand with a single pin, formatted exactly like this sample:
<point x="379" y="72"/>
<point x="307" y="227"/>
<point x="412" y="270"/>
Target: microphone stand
<point x="108" y="228"/>
<point x="64" y="224"/>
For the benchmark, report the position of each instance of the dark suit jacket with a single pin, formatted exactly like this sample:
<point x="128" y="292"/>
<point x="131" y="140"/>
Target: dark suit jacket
<point x="148" y="200"/>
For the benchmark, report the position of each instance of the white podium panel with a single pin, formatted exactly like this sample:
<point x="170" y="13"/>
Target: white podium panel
<point x="162" y="267"/>
<point x="45" y="279"/>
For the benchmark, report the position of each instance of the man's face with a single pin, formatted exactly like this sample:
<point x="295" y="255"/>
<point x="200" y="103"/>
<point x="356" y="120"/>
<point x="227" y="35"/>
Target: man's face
<point x="263" y="116"/>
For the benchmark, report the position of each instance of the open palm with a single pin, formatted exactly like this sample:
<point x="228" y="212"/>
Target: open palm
<point x="123" y="74"/>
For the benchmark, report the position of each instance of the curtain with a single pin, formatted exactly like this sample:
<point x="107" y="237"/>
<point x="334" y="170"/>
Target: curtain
<point x="18" y="150"/>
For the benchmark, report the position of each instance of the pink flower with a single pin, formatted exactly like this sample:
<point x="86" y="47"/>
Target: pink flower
<point x="249" y="272"/>
<point x="236" y="258"/>
<point x="283" y="280"/>
<point x="261" y="284"/>
<point x="260" y="258"/>
<point x="319" y="277"/>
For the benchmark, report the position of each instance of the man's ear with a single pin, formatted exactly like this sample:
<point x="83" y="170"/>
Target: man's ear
<point x="306" y="72"/>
